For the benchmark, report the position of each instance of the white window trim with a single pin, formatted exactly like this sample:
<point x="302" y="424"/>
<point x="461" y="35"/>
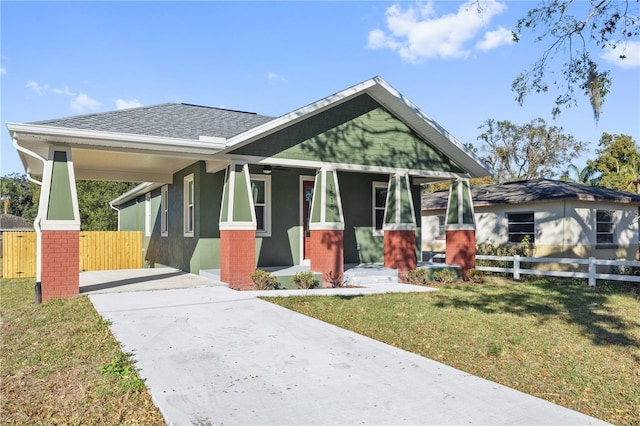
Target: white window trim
<point x="189" y="232"/>
<point x="532" y="212"/>
<point x="613" y="223"/>
<point x="267" y="202"/>
<point x="375" y="185"/>
<point x="164" y="211"/>
<point x="147" y="214"/>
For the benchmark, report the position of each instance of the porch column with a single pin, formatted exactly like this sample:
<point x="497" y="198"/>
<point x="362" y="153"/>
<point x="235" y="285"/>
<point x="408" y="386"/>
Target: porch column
<point x="237" y="228"/>
<point x="399" y="226"/>
<point x="460" y="227"/>
<point x="327" y="225"/>
<point x="60" y="225"/>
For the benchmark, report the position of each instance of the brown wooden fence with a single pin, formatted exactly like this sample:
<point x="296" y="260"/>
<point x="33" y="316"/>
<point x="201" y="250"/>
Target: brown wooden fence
<point x="99" y="250"/>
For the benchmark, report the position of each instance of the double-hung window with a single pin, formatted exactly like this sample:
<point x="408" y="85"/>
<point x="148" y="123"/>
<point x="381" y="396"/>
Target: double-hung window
<point x="189" y="206"/>
<point x="521" y="225"/>
<point x="164" y="211"/>
<point x="261" y="192"/>
<point x="441" y="227"/>
<point x="604" y="227"/>
<point x="379" y="202"/>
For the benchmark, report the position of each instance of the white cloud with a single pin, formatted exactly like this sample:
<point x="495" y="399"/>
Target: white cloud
<point x="494" y="39"/>
<point x="33" y="85"/>
<point x="418" y="33"/>
<point x="65" y="91"/>
<point x="3" y="70"/>
<point x="631" y="51"/>
<point x="274" y="76"/>
<point x="83" y="103"/>
<point x="126" y="104"/>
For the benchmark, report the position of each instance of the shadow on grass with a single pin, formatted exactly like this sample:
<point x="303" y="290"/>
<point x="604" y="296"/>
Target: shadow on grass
<point x="549" y="299"/>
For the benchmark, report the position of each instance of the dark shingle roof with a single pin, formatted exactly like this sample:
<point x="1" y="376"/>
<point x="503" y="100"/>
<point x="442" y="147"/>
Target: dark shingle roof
<point x="529" y="191"/>
<point x="9" y="222"/>
<point x="174" y="120"/>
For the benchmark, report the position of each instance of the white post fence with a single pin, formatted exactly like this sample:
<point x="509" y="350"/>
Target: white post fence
<point x="591" y="275"/>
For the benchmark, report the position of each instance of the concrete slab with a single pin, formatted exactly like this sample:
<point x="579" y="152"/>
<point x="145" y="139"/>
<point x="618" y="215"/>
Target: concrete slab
<point x="212" y="355"/>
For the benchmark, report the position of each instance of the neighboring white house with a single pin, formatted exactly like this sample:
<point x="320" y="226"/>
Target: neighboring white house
<point x="561" y="219"/>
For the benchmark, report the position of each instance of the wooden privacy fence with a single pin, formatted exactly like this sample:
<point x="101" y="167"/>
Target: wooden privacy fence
<point x="99" y="251"/>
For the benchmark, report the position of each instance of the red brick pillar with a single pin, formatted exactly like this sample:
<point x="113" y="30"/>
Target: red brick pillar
<point x="237" y="258"/>
<point x="461" y="249"/>
<point x="60" y="264"/>
<point x="327" y="252"/>
<point x="400" y="251"/>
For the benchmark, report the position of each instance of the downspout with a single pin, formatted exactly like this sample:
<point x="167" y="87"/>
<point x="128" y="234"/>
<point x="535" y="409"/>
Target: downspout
<point x="117" y="210"/>
<point x="36" y="222"/>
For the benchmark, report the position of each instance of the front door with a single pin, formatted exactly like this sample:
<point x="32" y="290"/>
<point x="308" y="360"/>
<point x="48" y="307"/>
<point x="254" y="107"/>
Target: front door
<point x="307" y="196"/>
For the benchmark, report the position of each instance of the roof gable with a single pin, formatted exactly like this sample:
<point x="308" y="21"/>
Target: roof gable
<point x="532" y="191"/>
<point x="358" y="131"/>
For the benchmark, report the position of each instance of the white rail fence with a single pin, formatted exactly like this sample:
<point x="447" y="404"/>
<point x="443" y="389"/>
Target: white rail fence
<point x="591" y="275"/>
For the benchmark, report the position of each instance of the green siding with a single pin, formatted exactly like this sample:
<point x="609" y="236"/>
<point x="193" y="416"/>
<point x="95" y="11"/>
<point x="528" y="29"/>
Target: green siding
<point x="316" y="208"/>
<point x="452" y="214"/>
<point x="390" y="209"/>
<point x="333" y="209"/>
<point x="225" y="195"/>
<point x="60" y="196"/>
<point x="359" y="132"/>
<point x="467" y="206"/>
<point x="242" y="204"/>
<point x="406" y="214"/>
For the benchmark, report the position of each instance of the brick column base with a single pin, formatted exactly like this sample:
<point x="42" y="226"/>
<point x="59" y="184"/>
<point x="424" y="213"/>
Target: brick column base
<point x="60" y="264"/>
<point x="461" y="249"/>
<point x="400" y="251"/>
<point x="237" y="258"/>
<point x="327" y="252"/>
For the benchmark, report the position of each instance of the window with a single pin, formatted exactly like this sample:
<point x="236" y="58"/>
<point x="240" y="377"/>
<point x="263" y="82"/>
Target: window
<point x="147" y="214"/>
<point x="379" y="203"/>
<point x="261" y="191"/>
<point x="189" y="197"/>
<point x="441" y="222"/>
<point x="521" y="225"/>
<point x="604" y="227"/>
<point x="164" y="211"/>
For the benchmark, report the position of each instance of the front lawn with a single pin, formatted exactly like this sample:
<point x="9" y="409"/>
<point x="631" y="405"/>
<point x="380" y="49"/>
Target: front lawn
<point x="60" y="364"/>
<point x="552" y="338"/>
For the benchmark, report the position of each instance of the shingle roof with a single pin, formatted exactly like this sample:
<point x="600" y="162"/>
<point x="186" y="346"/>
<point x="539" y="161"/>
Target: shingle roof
<point x="175" y="120"/>
<point x="529" y="191"/>
<point x="9" y="222"/>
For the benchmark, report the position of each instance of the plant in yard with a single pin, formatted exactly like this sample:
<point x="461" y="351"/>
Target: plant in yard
<point x="121" y="366"/>
<point x="475" y="276"/>
<point x="335" y="279"/>
<point x="263" y="280"/>
<point x="418" y="276"/>
<point x="305" y="280"/>
<point x="445" y="276"/>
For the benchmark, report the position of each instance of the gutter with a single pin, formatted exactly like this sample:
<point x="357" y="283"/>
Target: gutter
<point x="36" y="222"/>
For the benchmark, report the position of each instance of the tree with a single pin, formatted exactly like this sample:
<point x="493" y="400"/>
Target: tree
<point x="617" y="162"/>
<point x="585" y="176"/>
<point x="576" y="29"/>
<point x="19" y="196"/>
<point x="93" y="202"/>
<point x="526" y="152"/>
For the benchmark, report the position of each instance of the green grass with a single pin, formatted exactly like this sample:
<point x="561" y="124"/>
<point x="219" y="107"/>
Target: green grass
<point x="556" y="339"/>
<point x="60" y="364"/>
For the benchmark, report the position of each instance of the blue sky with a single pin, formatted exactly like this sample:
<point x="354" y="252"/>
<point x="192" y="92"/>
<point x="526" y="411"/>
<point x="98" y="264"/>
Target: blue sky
<point x="59" y="59"/>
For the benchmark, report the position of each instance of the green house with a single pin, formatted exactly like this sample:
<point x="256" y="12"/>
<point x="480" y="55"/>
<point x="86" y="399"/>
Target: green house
<point x="335" y="182"/>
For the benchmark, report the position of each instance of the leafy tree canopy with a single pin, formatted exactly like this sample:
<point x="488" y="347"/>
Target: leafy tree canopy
<point x="617" y="163"/>
<point x="575" y="33"/>
<point x="525" y="152"/>
<point x="19" y="196"/>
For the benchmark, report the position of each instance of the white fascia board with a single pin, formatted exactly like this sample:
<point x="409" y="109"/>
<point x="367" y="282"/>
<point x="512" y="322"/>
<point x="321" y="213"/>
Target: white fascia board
<point x="118" y="140"/>
<point x="143" y="188"/>
<point x="297" y="115"/>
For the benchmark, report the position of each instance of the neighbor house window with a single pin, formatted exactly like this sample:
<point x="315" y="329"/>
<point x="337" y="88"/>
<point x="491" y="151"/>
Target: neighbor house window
<point x="261" y="192"/>
<point x="164" y="211"/>
<point x="379" y="203"/>
<point x="147" y="214"/>
<point x="441" y="224"/>
<point x="189" y="198"/>
<point x="604" y="227"/>
<point x="521" y="225"/>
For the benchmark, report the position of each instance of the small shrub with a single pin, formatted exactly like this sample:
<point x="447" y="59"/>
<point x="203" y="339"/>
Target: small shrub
<point x="475" y="276"/>
<point x="418" y="276"/>
<point x="122" y="367"/>
<point x="445" y="276"/>
<point x="263" y="280"/>
<point x="335" y="279"/>
<point x="305" y="280"/>
<point x="496" y="349"/>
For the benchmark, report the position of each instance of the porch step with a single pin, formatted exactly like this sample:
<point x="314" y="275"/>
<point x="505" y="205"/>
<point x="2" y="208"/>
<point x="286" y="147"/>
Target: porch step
<point x="369" y="274"/>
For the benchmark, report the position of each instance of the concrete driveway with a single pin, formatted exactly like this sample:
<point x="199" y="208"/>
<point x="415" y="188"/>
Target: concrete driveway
<point x="211" y="355"/>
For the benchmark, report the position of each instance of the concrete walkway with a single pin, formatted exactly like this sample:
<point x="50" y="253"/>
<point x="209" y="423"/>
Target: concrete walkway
<point x="211" y="355"/>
